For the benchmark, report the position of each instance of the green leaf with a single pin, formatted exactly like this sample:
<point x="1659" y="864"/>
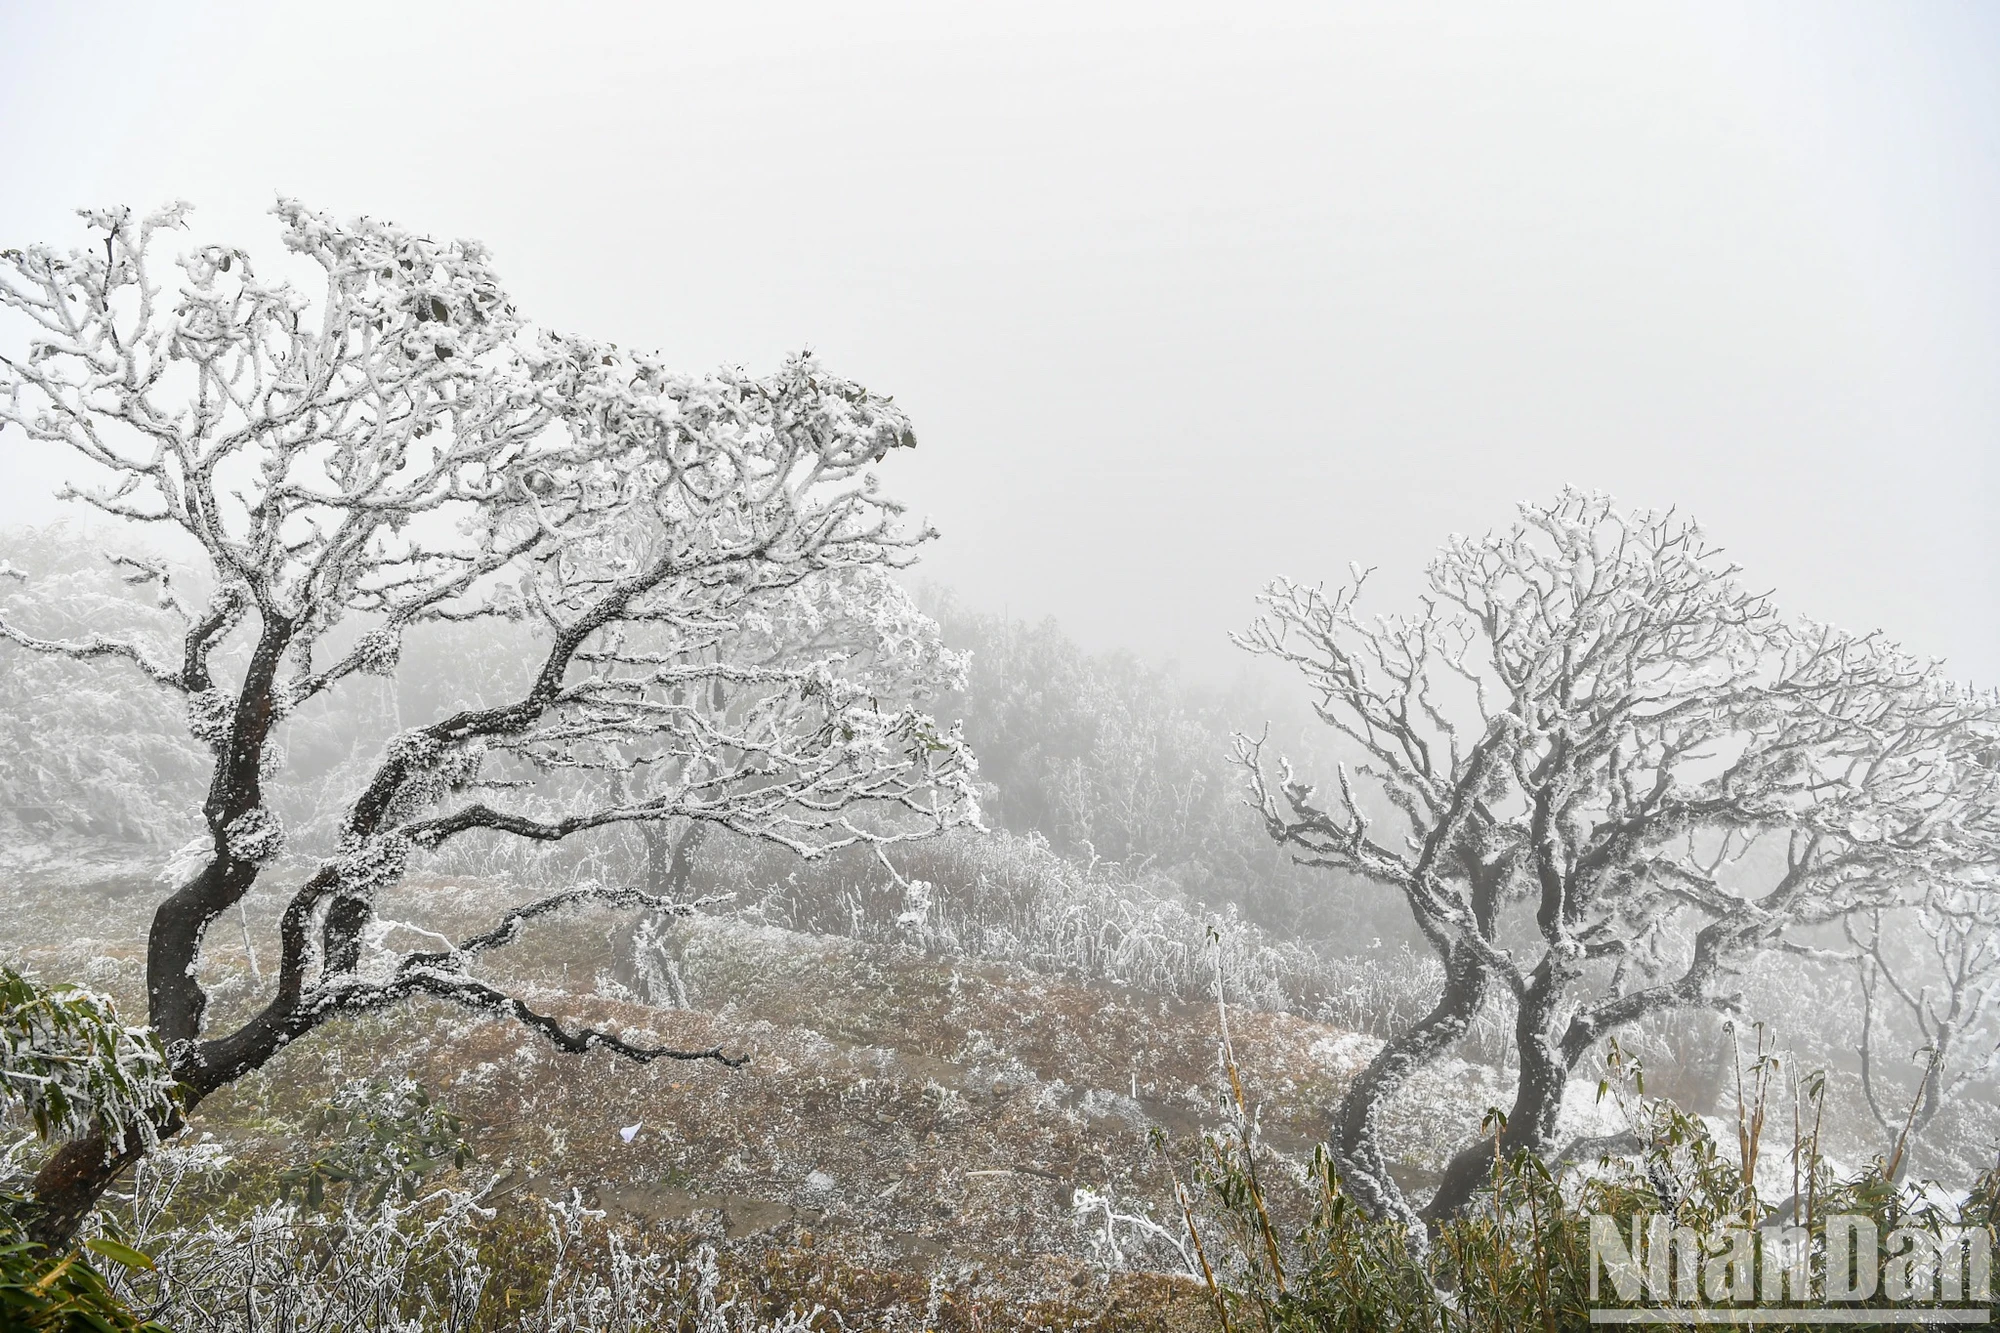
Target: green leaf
<point x="123" y="1254"/>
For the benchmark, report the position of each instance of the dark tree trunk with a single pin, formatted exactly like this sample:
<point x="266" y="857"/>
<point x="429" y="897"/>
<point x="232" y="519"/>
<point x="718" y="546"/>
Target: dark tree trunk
<point x="1545" y="1059"/>
<point x="72" y="1181"/>
<point x="1356" y="1138"/>
<point x="175" y="1000"/>
<point x="69" y="1185"/>
<point x="1548" y="1058"/>
<point x="669" y="860"/>
<point x="346" y="919"/>
<point x="660" y="855"/>
<point x="1531" y="1124"/>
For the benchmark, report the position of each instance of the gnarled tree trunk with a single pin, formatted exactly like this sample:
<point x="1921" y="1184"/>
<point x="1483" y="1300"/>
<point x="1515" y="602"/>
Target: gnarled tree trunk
<point x="75" y="1178"/>
<point x="1355" y="1142"/>
<point x="69" y="1185"/>
<point x="1538" y="1098"/>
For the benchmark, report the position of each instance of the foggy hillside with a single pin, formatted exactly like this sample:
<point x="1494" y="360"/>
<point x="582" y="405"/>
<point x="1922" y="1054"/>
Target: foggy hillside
<point x="958" y="1050"/>
<point x="1109" y="668"/>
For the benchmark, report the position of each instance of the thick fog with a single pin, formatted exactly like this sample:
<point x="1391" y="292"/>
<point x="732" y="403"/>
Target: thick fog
<point x="1182" y="300"/>
<point x="509" y="822"/>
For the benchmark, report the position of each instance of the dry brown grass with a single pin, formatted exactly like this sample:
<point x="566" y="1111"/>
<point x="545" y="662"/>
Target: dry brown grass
<point x="909" y="1131"/>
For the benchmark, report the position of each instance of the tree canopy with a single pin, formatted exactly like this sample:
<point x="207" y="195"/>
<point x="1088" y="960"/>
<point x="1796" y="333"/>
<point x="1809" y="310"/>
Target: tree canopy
<point x="1619" y="774"/>
<point x="401" y="449"/>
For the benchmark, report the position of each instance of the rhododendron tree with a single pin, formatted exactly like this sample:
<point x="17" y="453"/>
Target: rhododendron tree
<point x="403" y="449"/>
<point x="1604" y="775"/>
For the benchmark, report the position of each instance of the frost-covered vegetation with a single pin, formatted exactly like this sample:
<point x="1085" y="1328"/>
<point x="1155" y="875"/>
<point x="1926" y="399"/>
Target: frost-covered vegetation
<point x="514" y="800"/>
<point x="70" y="1065"/>
<point x="1618" y="778"/>
<point x="1523" y="1257"/>
<point x="694" y="567"/>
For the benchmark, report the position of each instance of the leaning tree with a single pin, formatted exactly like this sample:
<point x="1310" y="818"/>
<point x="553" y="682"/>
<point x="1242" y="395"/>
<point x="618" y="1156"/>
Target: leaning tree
<point x="1604" y="775"/>
<point x="404" y="450"/>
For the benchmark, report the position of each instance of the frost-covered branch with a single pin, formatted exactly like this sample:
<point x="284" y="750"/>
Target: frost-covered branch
<point x="482" y="997"/>
<point x="1951" y="1012"/>
<point x="701" y="561"/>
<point x="1593" y="719"/>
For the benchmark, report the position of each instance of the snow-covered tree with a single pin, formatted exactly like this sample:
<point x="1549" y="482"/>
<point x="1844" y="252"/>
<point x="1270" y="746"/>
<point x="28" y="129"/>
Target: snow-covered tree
<point x="1617" y="775"/>
<point x="404" y="450"/>
<point x="889" y="651"/>
<point x="1940" y="993"/>
<point x="1110" y="759"/>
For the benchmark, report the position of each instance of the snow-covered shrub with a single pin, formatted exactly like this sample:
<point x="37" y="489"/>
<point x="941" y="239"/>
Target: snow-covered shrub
<point x="1129" y="1240"/>
<point x="73" y="1069"/>
<point x="403" y="1267"/>
<point x="387" y="1138"/>
<point x="427" y="1264"/>
<point x="1013" y="899"/>
<point x="648" y="965"/>
<point x="620" y="1289"/>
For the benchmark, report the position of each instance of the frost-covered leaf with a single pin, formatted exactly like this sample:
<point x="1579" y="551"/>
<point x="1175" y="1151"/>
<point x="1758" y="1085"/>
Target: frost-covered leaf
<point x="74" y="1069"/>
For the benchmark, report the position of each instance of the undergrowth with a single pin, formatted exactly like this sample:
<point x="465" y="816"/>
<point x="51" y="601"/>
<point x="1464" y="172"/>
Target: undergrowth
<point x="1522" y="1257"/>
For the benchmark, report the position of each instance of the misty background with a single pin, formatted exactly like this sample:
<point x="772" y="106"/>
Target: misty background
<point x="1180" y="302"/>
<point x="1180" y="299"/>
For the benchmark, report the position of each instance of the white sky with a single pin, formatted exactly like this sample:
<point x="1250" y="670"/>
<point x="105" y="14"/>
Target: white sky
<point x="1181" y="297"/>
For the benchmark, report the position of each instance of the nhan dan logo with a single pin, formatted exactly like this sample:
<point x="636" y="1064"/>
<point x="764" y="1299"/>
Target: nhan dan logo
<point x="1660" y="1273"/>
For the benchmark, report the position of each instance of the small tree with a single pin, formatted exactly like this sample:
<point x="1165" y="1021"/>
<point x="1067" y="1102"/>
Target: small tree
<point x="1944" y="991"/>
<point x="406" y="450"/>
<point x="1604" y="774"/>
